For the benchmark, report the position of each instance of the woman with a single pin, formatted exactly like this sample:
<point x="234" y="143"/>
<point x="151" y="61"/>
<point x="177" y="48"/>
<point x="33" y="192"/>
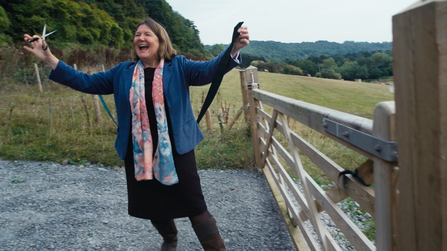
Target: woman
<point x="156" y="136"/>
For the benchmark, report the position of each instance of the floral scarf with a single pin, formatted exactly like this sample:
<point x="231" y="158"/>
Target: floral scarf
<point x="162" y="164"/>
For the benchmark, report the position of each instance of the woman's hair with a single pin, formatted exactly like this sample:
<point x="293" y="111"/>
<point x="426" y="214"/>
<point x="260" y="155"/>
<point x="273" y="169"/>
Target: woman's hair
<point x="165" y="49"/>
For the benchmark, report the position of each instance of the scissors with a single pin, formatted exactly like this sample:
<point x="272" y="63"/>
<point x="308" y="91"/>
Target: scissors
<point x="44" y="35"/>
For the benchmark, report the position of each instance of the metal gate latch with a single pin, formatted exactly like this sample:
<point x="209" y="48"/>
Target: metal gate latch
<point x="386" y="150"/>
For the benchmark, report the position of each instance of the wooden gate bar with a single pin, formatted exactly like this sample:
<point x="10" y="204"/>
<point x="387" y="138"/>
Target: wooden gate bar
<point x="311" y="115"/>
<point x="302" y="242"/>
<point x="269" y="136"/>
<point x="327" y="243"/>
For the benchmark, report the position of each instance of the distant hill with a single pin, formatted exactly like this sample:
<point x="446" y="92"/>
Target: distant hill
<point x="278" y="51"/>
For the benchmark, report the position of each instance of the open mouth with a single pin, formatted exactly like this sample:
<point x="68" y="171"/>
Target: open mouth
<point x="143" y="47"/>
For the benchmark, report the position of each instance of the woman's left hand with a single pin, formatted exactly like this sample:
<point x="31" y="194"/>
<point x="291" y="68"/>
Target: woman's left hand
<point x="241" y="41"/>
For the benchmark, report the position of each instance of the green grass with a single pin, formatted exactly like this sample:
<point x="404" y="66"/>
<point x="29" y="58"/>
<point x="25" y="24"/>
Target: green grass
<point x="52" y="126"/>
<point x="230" y="149"/>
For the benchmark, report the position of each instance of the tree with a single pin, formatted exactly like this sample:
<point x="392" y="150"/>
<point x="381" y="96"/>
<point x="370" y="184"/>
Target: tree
<point x="308" y="67"/>
<point x="330" y="69"/>
<point x="4" y="20"/>
<point x="270" y="66"/>
<point x="352" y="70"/>
<point x="383" y="62"/>
<point x="330" y="74"/>
<point x="375" y="73"/>
<point x="291" y="70"/>
<point x="314" y="59"/>
<point x="339" y="59"/>
<point x="248" y="59"/>
<point x="216" y="49"/>
<point x="75" y="21"/>
<point x="329" y="64"/>
<point x="4" y="24"/>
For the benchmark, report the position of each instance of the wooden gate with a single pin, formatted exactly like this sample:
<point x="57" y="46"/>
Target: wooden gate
<point x="341" y="127"/>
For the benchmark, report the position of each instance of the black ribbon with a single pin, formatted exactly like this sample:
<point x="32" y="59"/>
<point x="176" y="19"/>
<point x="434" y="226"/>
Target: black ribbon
<point x="354" y="174"/>
<point x="215" y="84"/>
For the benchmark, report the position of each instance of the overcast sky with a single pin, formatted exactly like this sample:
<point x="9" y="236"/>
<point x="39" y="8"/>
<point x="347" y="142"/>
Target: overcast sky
<point x="293" y="21"/>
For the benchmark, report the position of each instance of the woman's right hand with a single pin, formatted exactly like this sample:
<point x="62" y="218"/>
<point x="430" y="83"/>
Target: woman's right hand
<point x="38" y="50"/>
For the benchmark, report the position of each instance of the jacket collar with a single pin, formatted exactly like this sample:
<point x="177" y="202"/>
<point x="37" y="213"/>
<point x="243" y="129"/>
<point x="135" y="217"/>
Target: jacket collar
<point x="128" y="72"/>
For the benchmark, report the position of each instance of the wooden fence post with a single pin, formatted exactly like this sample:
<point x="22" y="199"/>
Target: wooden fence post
<point x="244" y="91"/>
<point x="209" y="121"/>
<point x="98" y="118"/>
<point x="251" y="76"/>
<point x="384" y="128"/>
<point x="420" y="76"/>
<point x="38" y="77"/>
<point x="85" y="107"/>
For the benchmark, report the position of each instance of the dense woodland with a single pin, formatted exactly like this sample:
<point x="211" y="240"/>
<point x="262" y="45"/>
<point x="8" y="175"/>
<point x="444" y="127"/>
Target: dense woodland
<point x="277" y="51"/>
<point x="359" y="65"/>
<point x="94" y="24"/>
<point x="364" y="61"/>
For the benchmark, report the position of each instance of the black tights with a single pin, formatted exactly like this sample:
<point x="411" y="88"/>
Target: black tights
<point x="200" y="218"/>
<point x="194" y="219"/>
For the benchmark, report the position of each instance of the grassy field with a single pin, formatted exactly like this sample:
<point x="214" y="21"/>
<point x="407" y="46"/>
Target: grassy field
<point x="53" y="125"/>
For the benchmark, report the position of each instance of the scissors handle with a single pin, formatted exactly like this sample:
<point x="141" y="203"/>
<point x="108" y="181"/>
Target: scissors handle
<point x="32" y="40"/>
<point x="44" y="35"/>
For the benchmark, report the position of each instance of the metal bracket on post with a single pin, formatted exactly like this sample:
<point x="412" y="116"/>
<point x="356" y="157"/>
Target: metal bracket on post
<point x="250" y="85"/>
<point x="386" y="150"/>
<point x="253" y="82"/>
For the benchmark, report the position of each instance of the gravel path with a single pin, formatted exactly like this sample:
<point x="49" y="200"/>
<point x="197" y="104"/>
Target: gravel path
<point x="48" y="206"/>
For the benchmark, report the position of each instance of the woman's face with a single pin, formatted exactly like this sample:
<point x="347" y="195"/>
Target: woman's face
<point x="146" y="46"/>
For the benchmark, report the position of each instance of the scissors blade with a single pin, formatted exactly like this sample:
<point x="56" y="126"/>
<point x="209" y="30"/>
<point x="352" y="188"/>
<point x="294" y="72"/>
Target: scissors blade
<point x="48" y="34"/>
<point x="44" y="31"/>
<point x="44" y="35"/>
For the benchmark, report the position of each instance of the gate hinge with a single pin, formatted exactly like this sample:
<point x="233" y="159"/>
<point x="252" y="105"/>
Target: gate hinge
<point x="386" y="150"/>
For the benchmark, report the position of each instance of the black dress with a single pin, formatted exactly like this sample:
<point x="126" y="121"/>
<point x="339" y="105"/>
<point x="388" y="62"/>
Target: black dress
<point x="149" y="199"/>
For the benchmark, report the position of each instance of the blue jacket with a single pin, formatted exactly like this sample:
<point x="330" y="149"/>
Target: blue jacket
<point x="178" y="75"/>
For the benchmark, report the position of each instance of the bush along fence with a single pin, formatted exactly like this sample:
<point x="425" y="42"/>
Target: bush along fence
<point x="408" y="202"/>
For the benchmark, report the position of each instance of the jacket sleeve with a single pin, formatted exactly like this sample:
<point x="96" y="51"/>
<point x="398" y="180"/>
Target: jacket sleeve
<point x="202" y="73"/>
<point x="98" y="83"/>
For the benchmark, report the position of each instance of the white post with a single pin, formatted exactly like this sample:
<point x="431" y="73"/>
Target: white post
<point x="36" y="69"/>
